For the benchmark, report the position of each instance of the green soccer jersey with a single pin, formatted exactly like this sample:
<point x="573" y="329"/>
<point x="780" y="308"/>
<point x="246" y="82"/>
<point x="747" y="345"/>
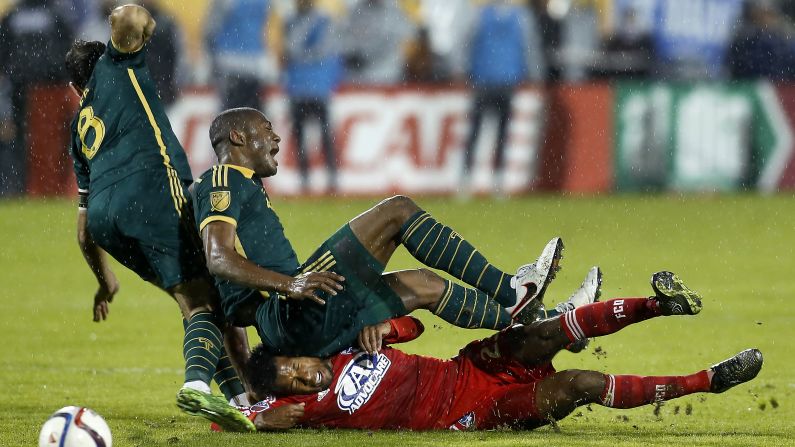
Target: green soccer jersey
<point x="235" y="195"/>
<point x="122" y="127"/>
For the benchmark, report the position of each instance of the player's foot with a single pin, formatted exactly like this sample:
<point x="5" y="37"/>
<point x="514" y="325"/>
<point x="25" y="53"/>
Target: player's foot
<point x="531" y="280"/>
<point x="214" y="409"/>
<point x="588" y="292"/>
<point x="674" y="296"/>
<point x="739" y="369"/>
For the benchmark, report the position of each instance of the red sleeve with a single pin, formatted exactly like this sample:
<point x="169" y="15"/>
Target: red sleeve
<point x="404" y="329"/>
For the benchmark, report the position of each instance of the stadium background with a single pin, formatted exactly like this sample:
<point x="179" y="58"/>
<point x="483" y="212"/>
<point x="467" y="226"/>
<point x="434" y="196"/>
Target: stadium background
<point x="688" y="171"/>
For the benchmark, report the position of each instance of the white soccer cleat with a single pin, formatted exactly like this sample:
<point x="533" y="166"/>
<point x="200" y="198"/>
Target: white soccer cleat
<point x="587" y="293"/>
<point x="531" y="280"/>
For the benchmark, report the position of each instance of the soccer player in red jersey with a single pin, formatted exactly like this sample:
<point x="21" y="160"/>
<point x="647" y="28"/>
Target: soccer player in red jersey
<point x="506" y="379"/>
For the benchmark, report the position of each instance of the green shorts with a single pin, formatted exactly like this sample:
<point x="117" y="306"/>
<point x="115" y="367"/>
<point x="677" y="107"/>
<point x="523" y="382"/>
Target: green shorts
<point x="136" y="222"/>
<point x="305" y="328"/>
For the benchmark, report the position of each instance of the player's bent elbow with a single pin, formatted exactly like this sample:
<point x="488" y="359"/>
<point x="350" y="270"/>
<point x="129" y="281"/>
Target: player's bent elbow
<point x="217" y="262"/>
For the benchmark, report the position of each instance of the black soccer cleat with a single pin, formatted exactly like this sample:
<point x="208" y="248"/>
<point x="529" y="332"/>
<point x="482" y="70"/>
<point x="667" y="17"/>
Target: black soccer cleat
<point x="739" y="369"/>
<point x="674" y="296"/>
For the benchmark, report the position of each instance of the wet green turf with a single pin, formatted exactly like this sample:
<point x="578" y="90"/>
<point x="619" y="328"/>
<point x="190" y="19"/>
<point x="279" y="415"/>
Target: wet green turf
<point x="736" y="250"/>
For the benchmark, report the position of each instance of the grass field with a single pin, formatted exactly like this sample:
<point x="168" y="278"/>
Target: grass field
<point x="736" y="250"/>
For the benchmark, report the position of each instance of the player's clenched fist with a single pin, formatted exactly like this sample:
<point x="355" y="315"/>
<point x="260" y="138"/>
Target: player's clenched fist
<point x="280" y="418"/>
<point x="305" y="285"/>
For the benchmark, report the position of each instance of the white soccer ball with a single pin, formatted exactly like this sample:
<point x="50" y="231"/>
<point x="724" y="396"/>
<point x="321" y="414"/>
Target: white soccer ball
<point x="75" y="427"/>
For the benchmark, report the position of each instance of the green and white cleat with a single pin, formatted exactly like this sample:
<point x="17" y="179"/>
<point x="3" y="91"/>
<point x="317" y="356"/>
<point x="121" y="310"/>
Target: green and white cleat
<point x="739" y="369"/>
<point x="214" y="409"/>
<point x="674" y="296"/>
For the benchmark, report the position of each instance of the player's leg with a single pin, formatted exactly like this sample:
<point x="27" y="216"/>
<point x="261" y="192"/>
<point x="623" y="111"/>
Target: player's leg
<point x="467" y="307"/>
<point x="502" y="105"/>
<point x="203" y="347"/>
<point x="399" y="221"/>
<point x="558" y="395"/>
<point x="458" y="305"/>
<point x="541" y="340"/>
<point x="198" y="354"/>
<point x="329" y="152"/>
<point x="475" y="122"/>
<point x="299" y="121"/>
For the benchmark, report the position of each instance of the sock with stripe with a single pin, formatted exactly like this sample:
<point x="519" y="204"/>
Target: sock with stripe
<point x="602" y="318"/>
<point x="625" y="391"/>
<point x="471" y="308"/>
<point x="226" y="377"/>
<point x="438" y="246"/>
<point x="201" y="348"/>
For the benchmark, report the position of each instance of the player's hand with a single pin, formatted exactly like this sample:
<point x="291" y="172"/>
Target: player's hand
<point x="280" y="418"/>
<point x="105" y="292"/>
<point x="371" y="338"/>
<point x="305" y="285"/>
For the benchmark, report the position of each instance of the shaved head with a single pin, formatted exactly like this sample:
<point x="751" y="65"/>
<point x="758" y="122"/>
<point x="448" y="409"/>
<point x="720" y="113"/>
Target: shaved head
<point x="240" y="119"/>
<point x="244" y="137"/>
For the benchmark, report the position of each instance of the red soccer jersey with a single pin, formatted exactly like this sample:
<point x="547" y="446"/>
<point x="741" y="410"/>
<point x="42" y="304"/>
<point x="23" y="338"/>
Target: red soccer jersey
<point x="479" y="388"/>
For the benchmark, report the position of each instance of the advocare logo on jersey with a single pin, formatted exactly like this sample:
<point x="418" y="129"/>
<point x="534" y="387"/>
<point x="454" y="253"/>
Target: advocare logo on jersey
<point x="359" y="380"/>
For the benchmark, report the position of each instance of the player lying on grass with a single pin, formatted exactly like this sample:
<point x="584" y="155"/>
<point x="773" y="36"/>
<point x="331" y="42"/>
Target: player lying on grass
<point x="137" y="209"/>
<point x="506" y="379"/>
<point x="318" y="308"/>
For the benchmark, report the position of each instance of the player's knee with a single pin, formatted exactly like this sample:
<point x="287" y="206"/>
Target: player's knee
<point x="585" y="386"/>
<point x="400" y="207"/>
<point x="431" y="286"/>
<point x="537" y="332"/>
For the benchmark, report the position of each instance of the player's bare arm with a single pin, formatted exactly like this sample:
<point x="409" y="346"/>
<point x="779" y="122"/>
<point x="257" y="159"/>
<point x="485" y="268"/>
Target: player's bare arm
<point x="224" y="262"/>
<point x="280" y="418"/>
<point x="131" y="27"/>
<point x="97" y="261"/>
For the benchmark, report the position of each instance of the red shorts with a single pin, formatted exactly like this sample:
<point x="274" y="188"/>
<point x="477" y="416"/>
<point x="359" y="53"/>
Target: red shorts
<point x="493" y="389"/>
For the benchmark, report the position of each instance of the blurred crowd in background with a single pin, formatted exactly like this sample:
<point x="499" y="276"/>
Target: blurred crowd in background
<point x="311" y="48"/>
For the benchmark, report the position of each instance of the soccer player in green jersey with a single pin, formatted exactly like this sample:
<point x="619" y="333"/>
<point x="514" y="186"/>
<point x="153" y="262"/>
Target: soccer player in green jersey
<point x="319" y="307"/>
<point x="132" y="176"/>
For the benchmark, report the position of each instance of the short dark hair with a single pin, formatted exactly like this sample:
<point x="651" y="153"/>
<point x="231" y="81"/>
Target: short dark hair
<point x="227" y="120"/>
<point x="260" y="371"/>
<point x="81" y="59"/>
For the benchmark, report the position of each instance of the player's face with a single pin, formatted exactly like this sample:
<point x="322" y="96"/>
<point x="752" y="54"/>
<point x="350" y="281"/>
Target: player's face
<point x="264" y="147"/>
<point x="301" y="375"/>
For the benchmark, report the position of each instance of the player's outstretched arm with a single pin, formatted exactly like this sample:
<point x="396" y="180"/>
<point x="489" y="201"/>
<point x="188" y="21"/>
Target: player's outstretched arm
<point x="224" y="262"/>
<point x="131" y="26"/>
<point x="98" y="263"/>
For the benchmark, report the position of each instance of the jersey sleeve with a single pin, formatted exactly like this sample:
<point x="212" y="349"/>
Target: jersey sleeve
<point x="82" y="172"/>
<point x="132" y="60"/>
<point x="219" y="196"/>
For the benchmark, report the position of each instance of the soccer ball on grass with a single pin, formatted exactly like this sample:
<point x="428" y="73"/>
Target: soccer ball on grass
<point x="75" y="427"/>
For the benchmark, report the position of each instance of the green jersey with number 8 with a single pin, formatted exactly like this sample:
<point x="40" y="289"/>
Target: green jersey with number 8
<point x="122" y="127"/>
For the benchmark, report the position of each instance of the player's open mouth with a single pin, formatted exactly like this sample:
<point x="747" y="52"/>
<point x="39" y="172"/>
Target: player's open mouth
<point x="318" y="378"/>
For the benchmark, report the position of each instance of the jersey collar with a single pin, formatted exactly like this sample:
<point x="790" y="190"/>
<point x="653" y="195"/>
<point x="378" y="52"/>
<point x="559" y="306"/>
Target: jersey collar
<point x="248" y="173"/>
